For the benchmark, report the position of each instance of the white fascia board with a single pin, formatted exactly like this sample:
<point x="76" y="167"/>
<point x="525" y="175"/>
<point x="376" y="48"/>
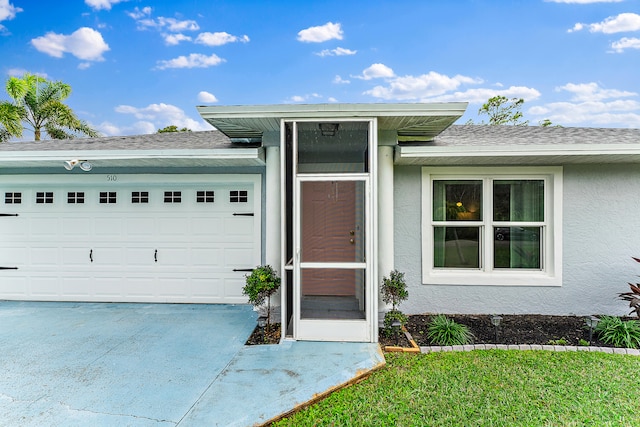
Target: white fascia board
<point x="295" y="111"/>
<point x="409" y="152"/>
<point x="229" y="153"/>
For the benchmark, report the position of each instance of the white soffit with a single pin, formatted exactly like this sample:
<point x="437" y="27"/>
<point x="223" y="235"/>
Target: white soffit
<point x="413" y="122"/>
<point x="517" y="154"/>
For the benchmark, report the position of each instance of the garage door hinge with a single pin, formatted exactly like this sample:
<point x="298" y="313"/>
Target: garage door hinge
<point x="1" y="214"/>
<point x="8" y="268"/>
<point x="243" y="214"/>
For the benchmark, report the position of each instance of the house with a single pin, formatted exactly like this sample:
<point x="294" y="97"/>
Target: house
<point x="482" y="219"/>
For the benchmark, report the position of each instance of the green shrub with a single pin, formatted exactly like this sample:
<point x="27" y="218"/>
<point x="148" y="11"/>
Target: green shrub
<point x="394" y="291"/>
<point x="445" y="331"/>
<point x="634" y="296"/>
<point x="583" y="343"/>
<point x="560" y="341"/>
<point x="260" y="285"/>
<point x="613" y="330"/>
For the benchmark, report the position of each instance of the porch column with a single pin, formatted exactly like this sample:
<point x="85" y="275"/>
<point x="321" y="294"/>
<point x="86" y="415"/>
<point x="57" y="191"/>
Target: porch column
<point x="272" y="208"/>
<point x="385" y="216"/>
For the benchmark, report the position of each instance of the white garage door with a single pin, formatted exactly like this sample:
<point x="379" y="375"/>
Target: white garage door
<point x="139" y="238"/>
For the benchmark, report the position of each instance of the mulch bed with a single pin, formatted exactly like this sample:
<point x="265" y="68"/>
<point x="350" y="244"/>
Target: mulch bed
<point x="272" y="336"/>
<point x="514" y="329"/>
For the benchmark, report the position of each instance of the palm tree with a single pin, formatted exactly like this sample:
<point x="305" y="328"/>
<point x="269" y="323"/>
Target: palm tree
<point x="37" y="105"/>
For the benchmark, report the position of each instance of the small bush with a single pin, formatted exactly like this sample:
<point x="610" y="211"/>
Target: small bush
<point x="260" y="285"/>
<point x="445" y="331"/>
<point x="613" y="330"/>
<point x="634" y="296"/>
<point x="394" y="291"/>
<point x="583" y="343"/>
<point x="560" y="341"/>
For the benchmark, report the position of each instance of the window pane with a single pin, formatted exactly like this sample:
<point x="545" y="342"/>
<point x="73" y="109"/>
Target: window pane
<point x="456" y="247"/>
<point x="457" y="200"/>
<point x="518" y="200"/>
<point x="517" y="247"/>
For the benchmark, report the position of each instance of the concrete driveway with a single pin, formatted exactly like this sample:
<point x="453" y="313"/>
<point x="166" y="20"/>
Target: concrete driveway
<point x="92" y="364"/>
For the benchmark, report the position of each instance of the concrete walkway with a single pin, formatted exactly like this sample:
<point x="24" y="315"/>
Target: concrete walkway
<point x="79" y="364"/>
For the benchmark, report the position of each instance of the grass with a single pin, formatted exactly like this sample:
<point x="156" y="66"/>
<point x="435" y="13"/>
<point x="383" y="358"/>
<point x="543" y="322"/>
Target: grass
<point x="487" y="388"/>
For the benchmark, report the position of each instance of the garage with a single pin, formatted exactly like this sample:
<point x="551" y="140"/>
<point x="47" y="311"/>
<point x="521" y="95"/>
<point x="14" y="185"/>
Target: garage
<point x="128" y="237"/>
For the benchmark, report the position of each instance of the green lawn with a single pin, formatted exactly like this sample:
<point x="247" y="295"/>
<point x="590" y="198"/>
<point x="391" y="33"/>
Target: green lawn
<point x="487" y="388"/>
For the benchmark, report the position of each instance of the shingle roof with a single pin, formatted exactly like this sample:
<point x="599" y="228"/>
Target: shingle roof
<point x="478" y="135"/>
<point x="206" y="140"/>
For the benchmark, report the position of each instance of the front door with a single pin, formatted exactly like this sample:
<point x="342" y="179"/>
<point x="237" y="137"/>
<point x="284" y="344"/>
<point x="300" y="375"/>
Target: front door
<point x="332" y="229"/>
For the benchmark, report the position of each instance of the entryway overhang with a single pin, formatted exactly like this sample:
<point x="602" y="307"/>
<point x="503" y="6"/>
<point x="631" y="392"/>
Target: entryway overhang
<point x="412" y="122"/>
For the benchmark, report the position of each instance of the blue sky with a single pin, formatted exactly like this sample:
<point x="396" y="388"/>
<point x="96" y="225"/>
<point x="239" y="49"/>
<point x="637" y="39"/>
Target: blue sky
<point x="137" y="65"/>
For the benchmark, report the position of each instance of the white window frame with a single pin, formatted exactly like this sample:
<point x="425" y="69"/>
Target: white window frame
<point x="550" y="273"/>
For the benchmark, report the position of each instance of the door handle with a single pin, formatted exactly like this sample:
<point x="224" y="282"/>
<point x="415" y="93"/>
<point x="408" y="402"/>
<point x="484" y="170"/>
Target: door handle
<point x="91" y="255"/>
<point x="155" y="256"/>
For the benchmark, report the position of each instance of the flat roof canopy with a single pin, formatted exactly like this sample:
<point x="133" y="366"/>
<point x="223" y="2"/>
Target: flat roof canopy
<point x="412" y="122"/>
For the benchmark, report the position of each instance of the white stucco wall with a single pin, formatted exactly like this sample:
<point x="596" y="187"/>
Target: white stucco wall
<point x="601" y="232"/>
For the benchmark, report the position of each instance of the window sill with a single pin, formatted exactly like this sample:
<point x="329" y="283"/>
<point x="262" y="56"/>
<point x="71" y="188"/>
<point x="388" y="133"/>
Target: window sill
<point x="476" y="278"/>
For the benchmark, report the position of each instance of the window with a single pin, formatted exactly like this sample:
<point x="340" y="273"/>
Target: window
<point x="44" y="197"/>
<point x="173" y="196"/>
<point x="492" y="226"/>
<point x="139" y="197"/>
<point x="13" y="198"/>
<point x="238" y="196"/>
<point x="107" y="197"/>
<point x="75" y="197"/>
<point x="205" y="196"/>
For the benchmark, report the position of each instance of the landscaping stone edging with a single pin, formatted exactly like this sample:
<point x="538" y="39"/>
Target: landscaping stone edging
<point x="471" y="347"/>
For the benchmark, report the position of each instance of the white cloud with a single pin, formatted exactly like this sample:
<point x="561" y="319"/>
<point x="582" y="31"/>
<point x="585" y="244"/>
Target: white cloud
<point x="340" y="80"/>
<point x="613" y="24"/>
<point x="480" y="95"/>
<point x="304" y="98"/>
<point x="207" y="97"/>
<point x="102" y="4"/>
<point x="626" y="43"/>
<point x="85" y="43"/>
<point x="419" y="87"/>
<point x="376" y="71"/>
<point x="587" y="92"/>
<point x="144" y="21"/>
<point x="19" y="72"/>
<point x="194" y="60"/>
<point x="137" y="128"/>
<point x="176" y="26"/>
<point x="219" y="38"/>
<point x="174" y="39"/>
<point x="7" y="12"/>
<point x="138" y="13"/>
<point x="157" y="116"/>
<point x="339" y="51"/>
<point x="622" y="113"/>
<point x="84" y="65"/>
<point x="322" y="33"/>
<point x="591" y="105"/>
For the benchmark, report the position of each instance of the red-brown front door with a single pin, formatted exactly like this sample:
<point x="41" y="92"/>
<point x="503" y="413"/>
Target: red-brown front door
<point x="331" y="233"/>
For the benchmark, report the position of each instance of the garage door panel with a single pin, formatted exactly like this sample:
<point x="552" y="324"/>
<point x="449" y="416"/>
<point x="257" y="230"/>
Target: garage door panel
<point x="75" y="287"/>
<point x="207" y="257"/>
<point x="45" y="286"/>
<point x="13" y="286"/>
<point x="96" y="251"/>
<point x="44" y="257"/>
<point x="77" y="227"/>
<point x="108" y="227"/>
<point x="141" y="227"/>
<point x="44" y="227"/>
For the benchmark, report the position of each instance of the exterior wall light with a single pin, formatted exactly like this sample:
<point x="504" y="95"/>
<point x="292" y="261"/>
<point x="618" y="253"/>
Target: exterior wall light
<point x="328" y="129"/>
<point x="83" y="164"/>
<point x="262" y="322"/>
